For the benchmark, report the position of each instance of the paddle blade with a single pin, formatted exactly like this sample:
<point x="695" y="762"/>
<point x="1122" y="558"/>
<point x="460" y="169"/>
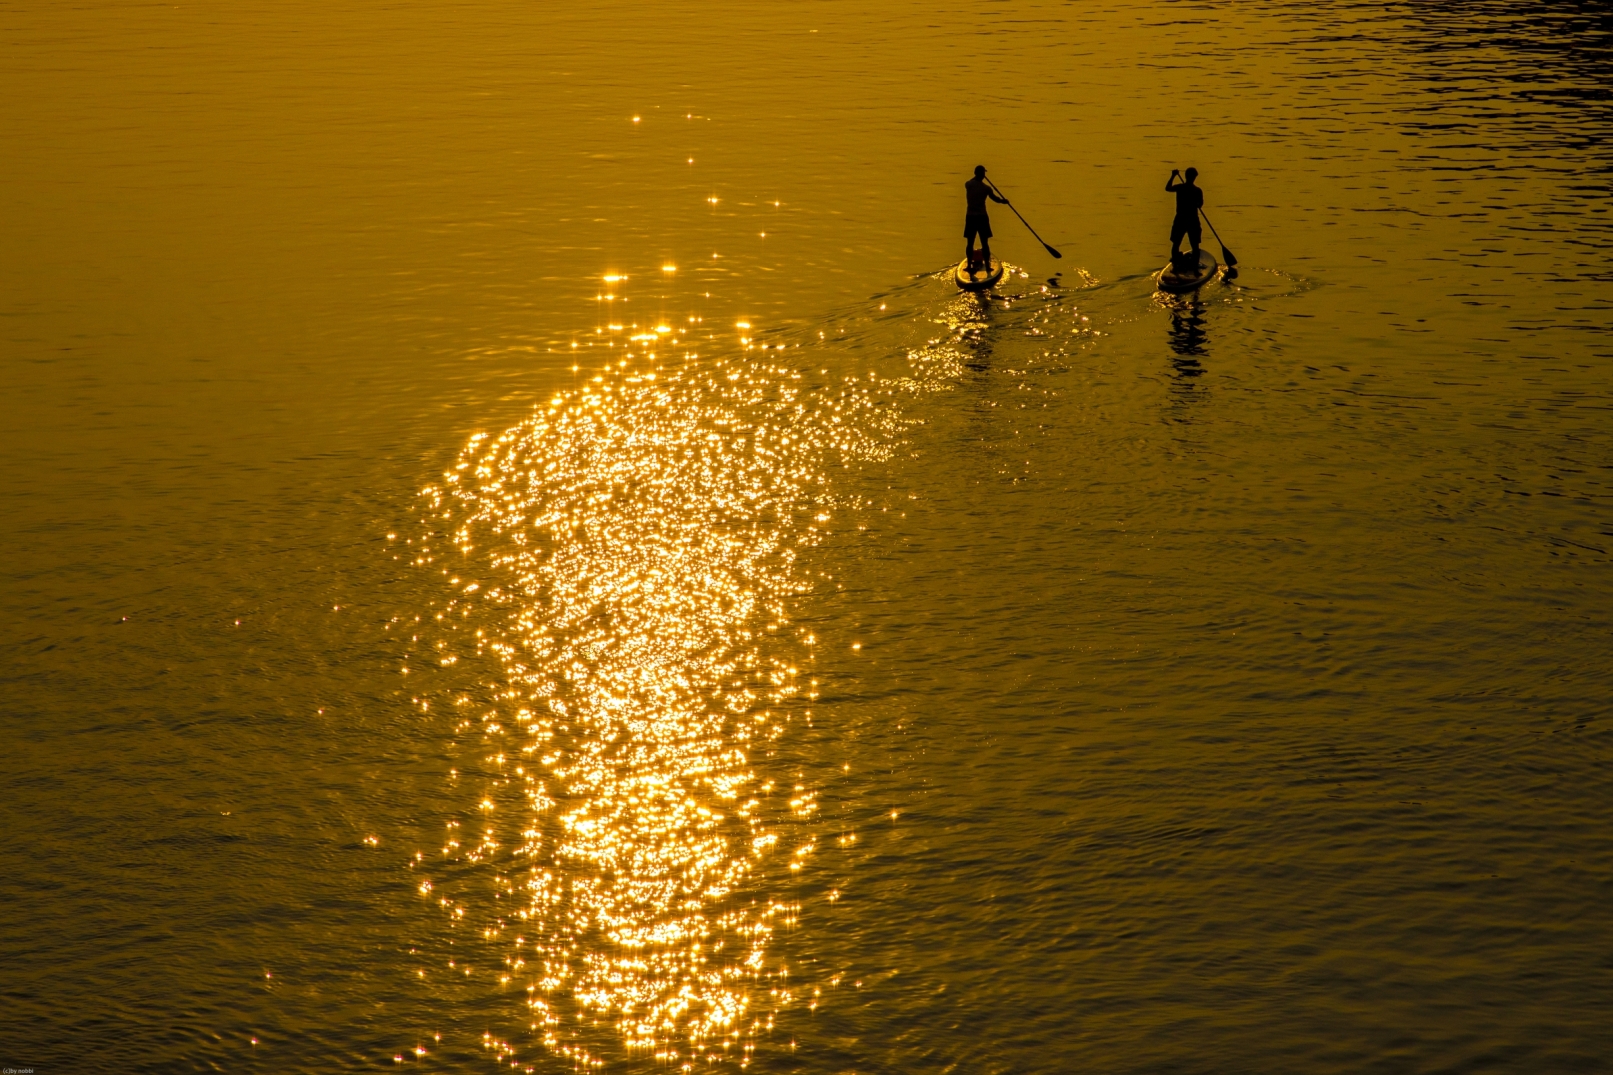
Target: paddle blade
<point x="1056" y="254"/>
<point x="1227" y="256"/>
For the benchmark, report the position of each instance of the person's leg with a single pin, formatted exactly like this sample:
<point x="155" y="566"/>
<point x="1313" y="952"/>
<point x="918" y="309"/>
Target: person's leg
<point x="1196" y="235"/>
<point x="1176" y="241"/>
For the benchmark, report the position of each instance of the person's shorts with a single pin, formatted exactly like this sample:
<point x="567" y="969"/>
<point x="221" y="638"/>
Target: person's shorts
<point x="1189" y="228"/>
<point x="976" y="224"/>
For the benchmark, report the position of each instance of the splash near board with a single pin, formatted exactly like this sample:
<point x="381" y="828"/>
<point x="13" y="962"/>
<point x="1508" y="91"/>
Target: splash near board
<point x="1179" y="278"/>
<point x="977" y="279"/>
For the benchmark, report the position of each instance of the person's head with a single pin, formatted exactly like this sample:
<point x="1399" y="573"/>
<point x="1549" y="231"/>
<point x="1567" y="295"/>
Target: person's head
<point x="980" y="171"/>
<point x="1192" y="174"/>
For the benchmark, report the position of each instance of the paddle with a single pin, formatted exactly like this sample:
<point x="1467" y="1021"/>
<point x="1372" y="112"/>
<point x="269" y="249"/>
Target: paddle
<point x="1226" y="255"/>
<point x="1027" y="223"/>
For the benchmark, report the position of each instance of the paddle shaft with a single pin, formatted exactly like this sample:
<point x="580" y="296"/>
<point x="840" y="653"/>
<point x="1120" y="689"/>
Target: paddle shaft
<point x="1025" y="222"/>
<point x="1225" y="253"/>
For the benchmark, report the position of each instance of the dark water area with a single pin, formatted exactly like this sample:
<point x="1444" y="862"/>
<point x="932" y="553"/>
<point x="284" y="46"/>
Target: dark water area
<point x="520" y="557"/>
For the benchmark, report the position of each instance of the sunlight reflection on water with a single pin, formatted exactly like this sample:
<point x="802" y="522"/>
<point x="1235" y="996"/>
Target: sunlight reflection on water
<point x="626" y="556"/>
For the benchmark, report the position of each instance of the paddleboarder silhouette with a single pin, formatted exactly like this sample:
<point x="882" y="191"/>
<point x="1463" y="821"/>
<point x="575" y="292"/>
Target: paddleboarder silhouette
<point x="1189" y="200"/>
<point x="976" y="221"/>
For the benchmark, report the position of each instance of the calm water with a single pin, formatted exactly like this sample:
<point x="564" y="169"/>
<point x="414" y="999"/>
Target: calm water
<point x="518" y="559"/>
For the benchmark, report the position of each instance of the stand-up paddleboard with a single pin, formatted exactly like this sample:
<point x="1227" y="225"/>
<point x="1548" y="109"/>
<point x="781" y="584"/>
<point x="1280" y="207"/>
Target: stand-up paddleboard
<point x="1177" y="280"/>
<point x="979" y="279"/>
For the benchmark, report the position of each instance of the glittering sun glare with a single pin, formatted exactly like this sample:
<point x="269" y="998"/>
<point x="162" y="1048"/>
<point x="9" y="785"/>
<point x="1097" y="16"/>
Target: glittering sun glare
<point x="627" y="555"/>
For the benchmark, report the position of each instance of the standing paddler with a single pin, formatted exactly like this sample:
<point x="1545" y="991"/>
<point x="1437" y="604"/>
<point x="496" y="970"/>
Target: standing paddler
<point x="976" y="222"/>
<point x="1189" y="200"/>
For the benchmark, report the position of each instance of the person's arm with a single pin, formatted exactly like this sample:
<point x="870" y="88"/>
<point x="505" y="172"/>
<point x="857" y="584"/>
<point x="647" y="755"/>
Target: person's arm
<point x="1169" y="186"/>
<point x="997" y="197"/>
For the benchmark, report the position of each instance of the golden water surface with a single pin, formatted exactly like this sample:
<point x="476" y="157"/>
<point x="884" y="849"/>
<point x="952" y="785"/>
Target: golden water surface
<point x="520" y="558"/>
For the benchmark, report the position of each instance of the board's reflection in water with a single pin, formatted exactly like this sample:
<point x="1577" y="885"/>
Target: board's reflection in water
<point x="1188" y="341"/>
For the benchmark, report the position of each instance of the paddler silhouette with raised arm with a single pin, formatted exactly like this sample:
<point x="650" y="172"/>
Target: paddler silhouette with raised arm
<point x="976" y="222"/>
<point x="1189" y="200"/>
